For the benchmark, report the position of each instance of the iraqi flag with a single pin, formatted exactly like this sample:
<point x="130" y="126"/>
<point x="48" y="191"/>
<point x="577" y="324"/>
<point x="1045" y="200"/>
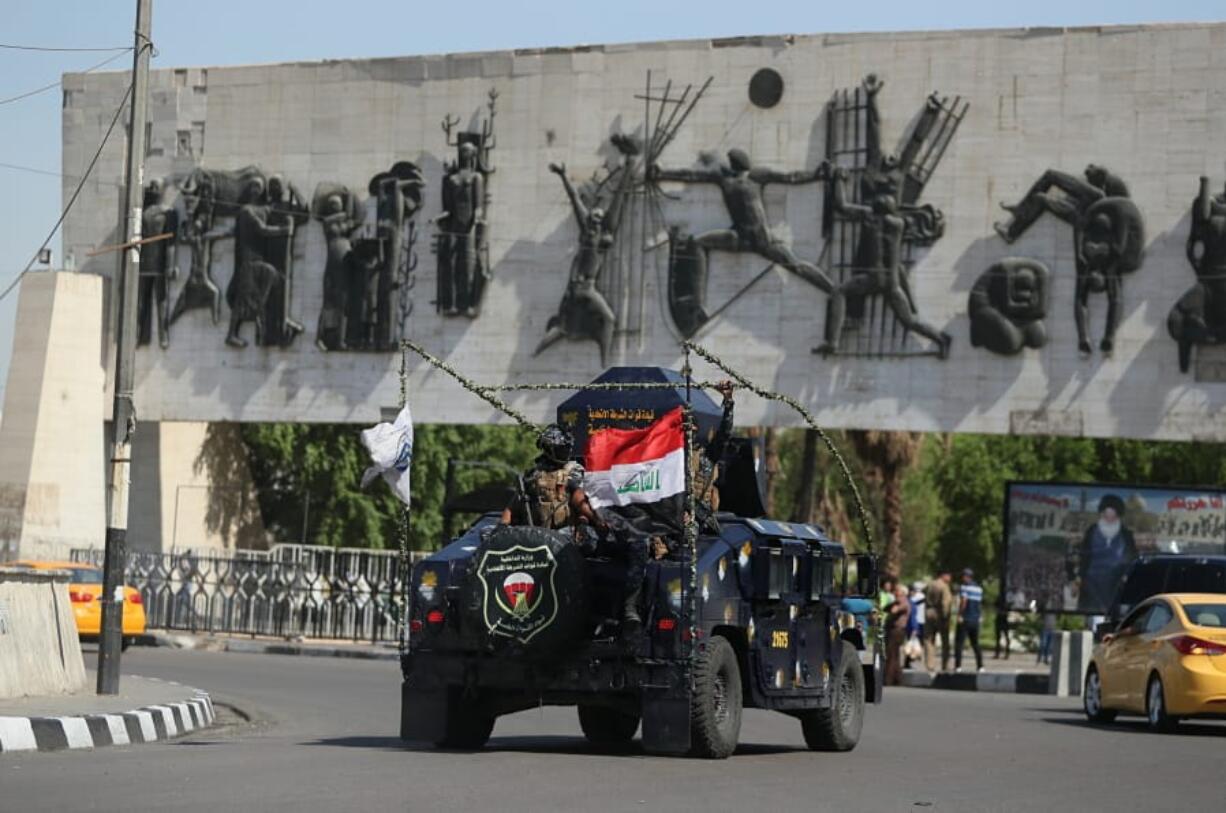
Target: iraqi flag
<point x="636" y="466"/>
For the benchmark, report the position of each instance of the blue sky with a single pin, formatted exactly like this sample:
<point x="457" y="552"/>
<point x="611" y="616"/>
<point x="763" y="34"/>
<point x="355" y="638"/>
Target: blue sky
<point x="223" y="32"/>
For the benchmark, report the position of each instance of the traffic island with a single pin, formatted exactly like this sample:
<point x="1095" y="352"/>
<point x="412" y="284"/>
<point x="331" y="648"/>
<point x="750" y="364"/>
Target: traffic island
<point x="145" y="710"/>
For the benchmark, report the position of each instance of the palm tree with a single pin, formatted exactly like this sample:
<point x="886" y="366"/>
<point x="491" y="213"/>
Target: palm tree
<point x="886" y="457"/>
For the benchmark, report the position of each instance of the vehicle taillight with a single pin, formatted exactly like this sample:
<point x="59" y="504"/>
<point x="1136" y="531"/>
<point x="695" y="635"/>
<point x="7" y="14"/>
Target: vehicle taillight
<point x="434" y="617"/>
<point x="666" y="624"/>
<point x="1191" y="645"/>
<point x="415" y="626"/>
<point x="80" y="597"/>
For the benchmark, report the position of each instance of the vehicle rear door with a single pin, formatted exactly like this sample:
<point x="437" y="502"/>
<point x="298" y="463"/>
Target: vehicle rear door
<point x="777" y="608"/>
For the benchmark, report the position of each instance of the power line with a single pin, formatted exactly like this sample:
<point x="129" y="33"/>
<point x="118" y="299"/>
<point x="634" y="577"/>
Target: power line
<point x="88" y="170"/>
<point x="12" y="47"/>
<point x="56" y="83"/>
<point x="49" y="173"/>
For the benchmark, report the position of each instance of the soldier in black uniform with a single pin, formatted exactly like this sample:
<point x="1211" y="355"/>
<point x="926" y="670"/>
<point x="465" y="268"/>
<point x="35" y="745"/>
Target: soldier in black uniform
<point x="552" y="497"/>
<point x="704" y="468"/>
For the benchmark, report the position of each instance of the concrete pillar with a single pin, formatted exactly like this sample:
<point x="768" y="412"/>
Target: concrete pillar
<point x="1070" y="660"/>
<point x="52" y="472"/>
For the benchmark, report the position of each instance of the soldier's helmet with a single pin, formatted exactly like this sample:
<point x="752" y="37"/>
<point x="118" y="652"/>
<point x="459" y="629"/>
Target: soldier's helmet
<point x="555" y="443"/>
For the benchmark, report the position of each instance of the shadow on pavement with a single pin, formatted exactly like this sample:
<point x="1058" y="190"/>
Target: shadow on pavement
<point x="535" y="744"/>
<point x="1139" y="726"/>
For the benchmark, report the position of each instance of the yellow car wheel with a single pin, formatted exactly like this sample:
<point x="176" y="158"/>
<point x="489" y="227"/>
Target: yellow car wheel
<point x="1092" y="699"/>
<point x="1155" y="706"/>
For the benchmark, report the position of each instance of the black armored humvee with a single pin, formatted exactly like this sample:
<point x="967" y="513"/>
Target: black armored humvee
<point x="758" y="615"/>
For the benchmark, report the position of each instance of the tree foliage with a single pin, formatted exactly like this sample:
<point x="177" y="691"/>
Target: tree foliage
<point x="307" y="479"/>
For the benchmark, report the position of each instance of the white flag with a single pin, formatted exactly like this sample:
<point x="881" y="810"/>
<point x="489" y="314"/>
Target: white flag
<point x="391" y="451"/>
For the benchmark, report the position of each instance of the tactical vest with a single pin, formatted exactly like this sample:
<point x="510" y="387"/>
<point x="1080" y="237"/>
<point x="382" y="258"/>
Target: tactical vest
<point x="548" y="497"/>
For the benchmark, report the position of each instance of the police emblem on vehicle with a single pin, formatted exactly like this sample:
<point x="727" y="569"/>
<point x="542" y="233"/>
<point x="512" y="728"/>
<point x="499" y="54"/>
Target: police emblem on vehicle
<point x="519" y="599"/>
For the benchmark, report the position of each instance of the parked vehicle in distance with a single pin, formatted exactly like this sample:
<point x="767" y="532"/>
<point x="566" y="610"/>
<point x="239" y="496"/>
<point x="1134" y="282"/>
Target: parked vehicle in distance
<point x="1166" y="660"/>
<point x="1163" y="573"/>
<point x="85" y="592"/>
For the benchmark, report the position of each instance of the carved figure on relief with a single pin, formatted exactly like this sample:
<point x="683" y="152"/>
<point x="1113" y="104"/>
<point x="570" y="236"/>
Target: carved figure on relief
<point x="874" y="224"/>
<point x="584" y="313"/>
<point x="1199" y="317"/>
<point x="158" y="265"/>
<point x="461" y="242"/>
<point x="1007" y="306"/>
<point x="1108" y="237"/>
<point x="741" y="184"/>
<point x="368" y="270"/>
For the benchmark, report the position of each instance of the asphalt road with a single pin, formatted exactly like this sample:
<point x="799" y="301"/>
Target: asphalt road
<point x="323" y="737"/>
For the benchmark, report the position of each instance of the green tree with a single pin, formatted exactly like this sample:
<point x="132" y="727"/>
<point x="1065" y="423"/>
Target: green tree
<point x="307" y="479"/>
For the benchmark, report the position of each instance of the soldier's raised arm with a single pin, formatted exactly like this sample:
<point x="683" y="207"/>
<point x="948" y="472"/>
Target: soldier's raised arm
<point x="581" y="212"/>
<point x="657" y="173"/>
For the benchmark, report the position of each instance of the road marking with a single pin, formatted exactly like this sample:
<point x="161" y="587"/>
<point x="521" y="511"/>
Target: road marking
<point x="16" y="734"/>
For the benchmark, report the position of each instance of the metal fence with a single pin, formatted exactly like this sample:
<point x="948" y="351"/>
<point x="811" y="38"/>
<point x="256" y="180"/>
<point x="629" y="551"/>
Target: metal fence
<point x="290" y="590"/>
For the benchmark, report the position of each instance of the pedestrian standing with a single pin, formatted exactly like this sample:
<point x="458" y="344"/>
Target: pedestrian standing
<point x="1002" y="627"/>
<point x="897" y="615"/>
<point x="914" y="648"/>
<point x="938" y="606"/>
<point x="970" y="612"/>
<point x="1045" y="637"/>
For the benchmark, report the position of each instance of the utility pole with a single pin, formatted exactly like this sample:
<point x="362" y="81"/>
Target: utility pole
<point x="123" y="418"/>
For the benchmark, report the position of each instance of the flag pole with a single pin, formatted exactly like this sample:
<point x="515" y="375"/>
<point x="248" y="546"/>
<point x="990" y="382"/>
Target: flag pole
<point x="402" y="634"/>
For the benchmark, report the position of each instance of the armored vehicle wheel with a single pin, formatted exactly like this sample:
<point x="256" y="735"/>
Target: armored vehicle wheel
<point x="607" y="727"/>
<point x="467" y="727"/>
<point x="715" y="708"/>
<point x="837" y="728"/>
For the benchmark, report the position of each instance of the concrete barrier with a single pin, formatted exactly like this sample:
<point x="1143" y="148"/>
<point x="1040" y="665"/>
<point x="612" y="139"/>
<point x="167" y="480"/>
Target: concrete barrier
<point x="39" y="650"/>
<point x="1070" y="660"/>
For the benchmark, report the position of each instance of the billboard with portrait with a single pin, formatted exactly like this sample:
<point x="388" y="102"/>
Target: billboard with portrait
<point x="1067" y="545"/>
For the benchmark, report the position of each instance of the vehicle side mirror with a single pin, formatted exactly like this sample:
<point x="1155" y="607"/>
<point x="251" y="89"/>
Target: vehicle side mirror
<point x="866" y="574"/>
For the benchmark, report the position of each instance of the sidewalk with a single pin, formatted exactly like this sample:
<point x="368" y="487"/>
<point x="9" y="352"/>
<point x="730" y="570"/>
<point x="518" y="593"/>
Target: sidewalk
<point x="1019" y="674"/>
<point x="145" y="710"/>
<point x="265" y="644"/>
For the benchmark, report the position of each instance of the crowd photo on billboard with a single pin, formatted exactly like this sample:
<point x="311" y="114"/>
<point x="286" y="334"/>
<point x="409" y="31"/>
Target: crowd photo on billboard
<point x="1068" y="545"/>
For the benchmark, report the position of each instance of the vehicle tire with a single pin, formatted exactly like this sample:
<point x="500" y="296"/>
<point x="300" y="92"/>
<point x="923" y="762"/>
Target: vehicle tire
<point x="124" y="643"/>
<point x="1092" y="699"/>
<point x="607" y="727"/>
<point x="1155" y="706"/>
<point x="837" y="728"/>
<point x="468" y="726"/>
<point x="715" y="708"/>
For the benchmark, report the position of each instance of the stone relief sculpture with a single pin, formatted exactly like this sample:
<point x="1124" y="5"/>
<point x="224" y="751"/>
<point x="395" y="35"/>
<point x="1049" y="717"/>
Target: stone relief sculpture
<point x="1007" y="306"/>
<point x="1199" y="317"/>
<point x="584" y="312"/>
<point x="395" y="200"/>
<point x="198" y="233"/>
<point x="1108" y="237"/>
<point x="369" y="260"/>
<point x="255" y="278"/>
<point x="286" y="209"/>
<point x="461" y="242"/>
<point x="874" y="224"/>
<point x="158" y="265"/>
<point x="741" y="184"/>
<point x="879" y="268"/>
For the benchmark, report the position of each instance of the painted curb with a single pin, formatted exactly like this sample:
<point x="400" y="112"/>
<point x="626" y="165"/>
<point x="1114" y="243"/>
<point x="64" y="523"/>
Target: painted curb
<point x="161" y="721"/>
<point x="1007" y="683"/>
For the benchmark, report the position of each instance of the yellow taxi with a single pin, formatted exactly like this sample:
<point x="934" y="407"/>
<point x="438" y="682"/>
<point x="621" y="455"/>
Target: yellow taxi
<point x="1166" y="660"/>
<point x="85" y="590"/>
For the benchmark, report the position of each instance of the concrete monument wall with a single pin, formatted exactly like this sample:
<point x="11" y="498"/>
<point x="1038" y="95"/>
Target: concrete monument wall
<point x="770" y="197"/>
